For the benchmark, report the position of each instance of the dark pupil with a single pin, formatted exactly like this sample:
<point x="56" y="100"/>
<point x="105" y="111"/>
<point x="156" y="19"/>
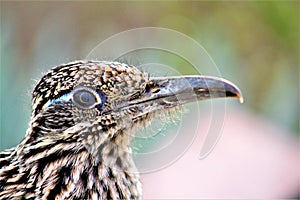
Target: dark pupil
<point x="84" y="98"/>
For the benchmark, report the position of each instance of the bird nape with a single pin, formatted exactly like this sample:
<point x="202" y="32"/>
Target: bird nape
<point x="84" y="116"/>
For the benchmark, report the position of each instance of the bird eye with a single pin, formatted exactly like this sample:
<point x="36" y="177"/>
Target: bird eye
<point x="84" y="98"/>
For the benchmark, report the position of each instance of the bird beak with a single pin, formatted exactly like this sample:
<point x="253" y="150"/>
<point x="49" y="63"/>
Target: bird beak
<point x="185" y="89"/>
<point x="167" y="92"/>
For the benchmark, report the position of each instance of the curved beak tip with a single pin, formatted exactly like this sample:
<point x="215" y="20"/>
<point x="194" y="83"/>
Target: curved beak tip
<point x="241" y="98"/>
<point x="239" y="94"/>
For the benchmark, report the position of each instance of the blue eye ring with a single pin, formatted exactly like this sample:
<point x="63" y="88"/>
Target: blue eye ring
<point x="90" y="99"/>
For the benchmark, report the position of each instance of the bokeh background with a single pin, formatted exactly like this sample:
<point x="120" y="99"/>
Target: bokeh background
<point x="254" y="44"/>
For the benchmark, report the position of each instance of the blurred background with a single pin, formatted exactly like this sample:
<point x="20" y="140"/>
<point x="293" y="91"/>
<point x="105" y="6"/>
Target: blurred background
<point x="254" y="44"/>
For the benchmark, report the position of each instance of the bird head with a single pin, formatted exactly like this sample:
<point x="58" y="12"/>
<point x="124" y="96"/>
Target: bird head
<point x="97" y="105"/>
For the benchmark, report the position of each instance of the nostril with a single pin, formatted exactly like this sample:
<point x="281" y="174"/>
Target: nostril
<point x="151" y="88"/>
<point x="155" y="90"/>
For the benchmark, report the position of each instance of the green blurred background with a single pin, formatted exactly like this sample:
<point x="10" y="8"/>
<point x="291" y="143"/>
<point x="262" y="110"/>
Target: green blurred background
<point x="254" y="44"/>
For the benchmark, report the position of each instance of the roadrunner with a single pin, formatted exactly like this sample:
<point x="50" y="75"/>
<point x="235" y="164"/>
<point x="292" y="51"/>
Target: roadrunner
<point x="84" y="116"/>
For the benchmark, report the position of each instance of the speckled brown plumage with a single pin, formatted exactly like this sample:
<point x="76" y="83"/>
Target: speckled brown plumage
<point x="84" y="115"/>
